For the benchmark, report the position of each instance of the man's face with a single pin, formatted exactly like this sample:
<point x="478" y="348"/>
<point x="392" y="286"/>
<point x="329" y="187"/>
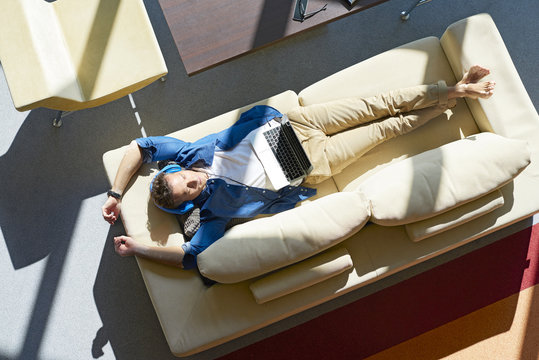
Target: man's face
<point x="185" y="185"/>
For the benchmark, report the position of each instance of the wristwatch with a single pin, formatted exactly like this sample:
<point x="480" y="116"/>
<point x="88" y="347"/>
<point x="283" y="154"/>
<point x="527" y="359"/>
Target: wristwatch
<point x="114" y="194"/>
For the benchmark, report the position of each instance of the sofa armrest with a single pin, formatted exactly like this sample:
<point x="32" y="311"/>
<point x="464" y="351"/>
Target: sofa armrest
<point x="476" y="40"/>
<point x="266" y="244"/>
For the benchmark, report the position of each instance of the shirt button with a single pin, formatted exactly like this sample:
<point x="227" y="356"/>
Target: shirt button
<point x="263" y="191"/>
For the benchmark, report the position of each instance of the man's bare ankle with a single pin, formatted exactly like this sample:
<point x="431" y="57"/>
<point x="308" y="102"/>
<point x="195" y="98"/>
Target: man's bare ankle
<point x="457" y="91"/>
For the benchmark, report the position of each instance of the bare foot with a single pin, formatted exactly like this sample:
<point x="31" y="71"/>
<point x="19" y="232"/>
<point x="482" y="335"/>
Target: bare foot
<point x="482" y="90"/>
<point x="474" y="74"/>
<point x="470" y="87"/>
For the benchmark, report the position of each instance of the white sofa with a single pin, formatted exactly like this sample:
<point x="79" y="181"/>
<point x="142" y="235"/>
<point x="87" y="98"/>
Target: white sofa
<point x="344" y="238"/>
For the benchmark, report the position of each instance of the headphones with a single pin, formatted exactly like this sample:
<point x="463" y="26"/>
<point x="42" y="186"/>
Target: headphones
<point x="184" y="206"/>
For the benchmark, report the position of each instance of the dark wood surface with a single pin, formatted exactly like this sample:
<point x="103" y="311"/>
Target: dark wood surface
<point x="210" y="32"/>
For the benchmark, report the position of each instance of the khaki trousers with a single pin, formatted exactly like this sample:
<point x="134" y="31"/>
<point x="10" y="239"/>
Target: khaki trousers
<point x="336" y="133"/>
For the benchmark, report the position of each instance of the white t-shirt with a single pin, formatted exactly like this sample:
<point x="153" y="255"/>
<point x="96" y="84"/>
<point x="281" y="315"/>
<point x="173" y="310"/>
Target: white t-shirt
<point x="239" y="166"/>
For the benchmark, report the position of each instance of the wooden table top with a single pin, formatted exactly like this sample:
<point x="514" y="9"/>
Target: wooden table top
<point x="210" y="32"/>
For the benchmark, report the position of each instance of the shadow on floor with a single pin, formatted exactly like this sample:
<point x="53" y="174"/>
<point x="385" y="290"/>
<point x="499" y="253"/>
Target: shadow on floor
<point x="129" y="321"/>
<point x="47" y="173"/>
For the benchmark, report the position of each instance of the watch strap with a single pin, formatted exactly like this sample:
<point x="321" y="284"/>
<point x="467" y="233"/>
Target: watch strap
<point x="114" y="194"/>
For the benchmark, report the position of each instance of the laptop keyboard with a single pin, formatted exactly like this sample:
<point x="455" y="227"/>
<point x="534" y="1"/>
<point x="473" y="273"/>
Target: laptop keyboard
<point x="282" y="150"/>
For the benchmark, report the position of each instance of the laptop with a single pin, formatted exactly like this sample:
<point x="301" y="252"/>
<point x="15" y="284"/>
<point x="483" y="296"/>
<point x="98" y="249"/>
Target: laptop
<point x="281" y="154"/>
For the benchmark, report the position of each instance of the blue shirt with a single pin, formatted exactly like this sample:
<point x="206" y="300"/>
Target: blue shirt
<point x="219" y="202"/>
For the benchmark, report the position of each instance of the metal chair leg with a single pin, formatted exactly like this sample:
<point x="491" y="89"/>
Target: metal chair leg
<point x="405" y="15"/>
<point x="57" y="122"/>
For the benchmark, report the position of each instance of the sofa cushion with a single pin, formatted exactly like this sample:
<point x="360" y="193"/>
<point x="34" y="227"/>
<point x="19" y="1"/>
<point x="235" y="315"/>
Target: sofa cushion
<point x="266" y="244"/>
<point x="301" y="275"/>
<point x="441" y="179"/>
<point x="423" y="229"/>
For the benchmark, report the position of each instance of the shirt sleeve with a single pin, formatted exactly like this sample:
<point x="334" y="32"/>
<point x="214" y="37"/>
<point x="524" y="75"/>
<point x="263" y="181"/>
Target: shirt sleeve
<point x="209" y="232"/>
<point x="156" y="148"/>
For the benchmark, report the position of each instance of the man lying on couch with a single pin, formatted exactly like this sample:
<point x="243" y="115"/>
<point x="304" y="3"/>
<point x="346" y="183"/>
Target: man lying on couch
<point x="211" y="173"/>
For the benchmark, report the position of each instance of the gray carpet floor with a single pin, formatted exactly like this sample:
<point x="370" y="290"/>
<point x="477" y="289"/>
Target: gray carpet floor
<point x="64" y="293"/>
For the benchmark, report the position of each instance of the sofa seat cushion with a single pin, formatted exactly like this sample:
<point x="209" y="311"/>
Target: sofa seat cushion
<point x="441" y="179"/>
<point x="266" y="244"/>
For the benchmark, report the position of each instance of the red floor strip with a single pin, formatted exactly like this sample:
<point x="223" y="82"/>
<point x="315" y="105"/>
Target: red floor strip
<point x="412" y="307"/>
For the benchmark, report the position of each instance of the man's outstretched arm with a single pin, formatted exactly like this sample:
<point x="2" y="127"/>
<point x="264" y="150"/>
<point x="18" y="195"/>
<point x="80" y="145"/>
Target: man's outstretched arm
<point x="171" y="255"/>
<point x="129" y="165"/>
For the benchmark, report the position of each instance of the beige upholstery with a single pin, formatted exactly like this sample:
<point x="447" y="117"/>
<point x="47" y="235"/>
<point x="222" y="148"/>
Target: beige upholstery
<point x="263" y="245"/>
<point x="301" y="275"/>
<point x="421" y="230"/>
<point x="195" y="317"/>
<point x="76" y="54"/>
<point x="444" y="178"/>
<point x="476" y="40"/>
<point x="422" y="61"/>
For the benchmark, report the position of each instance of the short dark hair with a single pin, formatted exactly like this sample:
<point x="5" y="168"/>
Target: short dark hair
<point x="161" y="192"/>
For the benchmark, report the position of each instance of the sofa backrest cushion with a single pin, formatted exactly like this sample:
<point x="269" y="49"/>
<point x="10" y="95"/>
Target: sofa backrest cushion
<point x="266" y="244"/>
<point x="441" y="179"/>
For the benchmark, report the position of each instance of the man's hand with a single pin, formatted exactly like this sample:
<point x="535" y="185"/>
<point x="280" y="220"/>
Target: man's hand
<point x="126" y="246"/>
<point x="129" y="165"/>
<point x="111" y="210"/>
